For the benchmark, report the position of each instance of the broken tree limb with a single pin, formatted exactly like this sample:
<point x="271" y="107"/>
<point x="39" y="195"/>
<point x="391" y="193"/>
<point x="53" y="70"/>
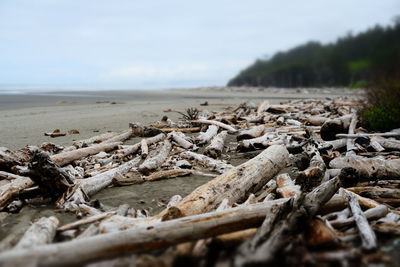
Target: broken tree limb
<point x="235" y="183"/>
<point x="144" y="148"/>
<point x="207" y="162"/>
<point x="11" y="190"/>
<point x="205" y="137"/>
<point x="253" y="132"/>
<point x="216" y="146"/>
<point x="371" y="214"/>
<point x="8" y="159"/>
<point x="180" y="139"/>
<point x="368" y="238"/>
<point x="64" y="158"/>
<point x="277" y="231"/>
<point x="227" y="127"/>
<point x="52" y="180"/>
<point x="369" y="167"/>
<point x="335" y="126"/>
<point x="388" y="134"/>
<point x="143" y="238"/>
<point x="134" y="148"/>
<point x="154" y="162"/>
<point x="90" y="186"/>
<point x="286" y="187"/>
<point x="94" y="140"/>
<point x="39" y="233"/>
<point x="119" y="138"/>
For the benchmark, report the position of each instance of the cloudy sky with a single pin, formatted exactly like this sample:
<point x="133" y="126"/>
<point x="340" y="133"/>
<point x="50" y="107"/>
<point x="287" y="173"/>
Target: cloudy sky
<point x="164" y="43"/>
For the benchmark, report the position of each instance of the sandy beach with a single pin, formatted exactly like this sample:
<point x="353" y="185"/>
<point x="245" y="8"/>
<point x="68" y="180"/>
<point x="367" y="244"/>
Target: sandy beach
<point x="24" y="118"/>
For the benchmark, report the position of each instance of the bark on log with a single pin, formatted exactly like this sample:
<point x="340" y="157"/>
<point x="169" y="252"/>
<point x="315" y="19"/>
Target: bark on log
<point x="236" y="183"/>
<point x="207" y="162"/>
<point x="205" y="137"/>
<point x="332" y="127"/>
<point x="368" y="238"/>
<point x="143" y="238"/>
<point x="52" y="180"/>
<point x="40" y="233"/>
<point x="372" y="168"/>
<point x="155" y="162"/>
<point x="227" y="127"/>
<point x="277" y="231"/>
<point x="214" y="150"/>
<point x="64" y="158"/>
<point x="253" y="132"/>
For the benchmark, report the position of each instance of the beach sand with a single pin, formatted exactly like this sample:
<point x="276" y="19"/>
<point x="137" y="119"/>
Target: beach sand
<point x="25" y="118"/>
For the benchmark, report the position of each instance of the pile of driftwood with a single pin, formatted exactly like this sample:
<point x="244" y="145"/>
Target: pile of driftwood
<point x="316" y="189"/>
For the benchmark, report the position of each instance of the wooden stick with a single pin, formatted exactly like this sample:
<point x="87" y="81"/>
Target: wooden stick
<point x="207" y="162"/>
<point x="134" y="148"/>
<point x="94" y="140"/>
<point x="144" y="148"/>
<point x="227" y="127"/>
<point x="368" y="238"/>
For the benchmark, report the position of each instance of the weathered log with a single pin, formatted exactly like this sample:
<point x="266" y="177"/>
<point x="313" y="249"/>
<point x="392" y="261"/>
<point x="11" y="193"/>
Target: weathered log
<point x="388" y="144"/>
<point x="9" y="176"/>
<point x="335" y="126"/>
<point x="317" y="120"/>
<point x="372" y="168"/>
<point x="143" y="131"/>
<point x="134" y="148"/>
<point x="368" y="238"/>
<point x="216" y="146"/>
<point x="205" y="137"/>
<point x="94" y="140"/>
<point x="11" y="190"/>
<point x="182" y="130"/>
<point x="388" y="134"/>
<point x="180" y="139"/>
<point x="143" y="238"/>
<point x="167" y="174"/>
<point x="262" y="108"/>
<point x="207" y="162"/>
<point x="144" y="148"/>
<point x="64" y="158"/>
<point x="120" y="137"/>
<point x="52" y="180"/>
<point x="319" y="234"/>
<point x="371" y="214"/>
<point x="155" y="162"/>
<point x="85" y="221"/>
<point x="286" y="186"/>
<point x="40" y="233"/>
<point x="253" y="132"/>
<point x="376" y="192"/>
<point x="235" y="183"/>
<point x="90" y="186"/>
<point x="376" y="145"/>
<point x="254" y="143"/>
<point x="227" y="127"/>
<point x="55" y="133"/>
<point x="8" y="159"/>
<point x="313" y="175"/>
<point x="277" y="230"/>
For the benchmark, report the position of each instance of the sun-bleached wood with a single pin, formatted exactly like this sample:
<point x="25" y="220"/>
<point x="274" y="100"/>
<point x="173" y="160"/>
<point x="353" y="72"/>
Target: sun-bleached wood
<point x="152" y="163"/>
<point x="134" y="148"/>
<point x="39" y="233"/>
<point x="214" y="150"/>
<point x="64" y="158"/>
<point x="253" y="132"/>
<point x="222" y="125"/>
<point x="235" y="183"/>
<point x="143" y="238"/>
<point x="207" y="162"/>
<point x="205" y="137"/>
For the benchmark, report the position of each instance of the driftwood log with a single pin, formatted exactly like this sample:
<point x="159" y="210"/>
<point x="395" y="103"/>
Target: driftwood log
<point x="39" y="233"/>
<point x="216" y="146"/>
<point x="152" y="163"/>
<point x="235" y="183"/>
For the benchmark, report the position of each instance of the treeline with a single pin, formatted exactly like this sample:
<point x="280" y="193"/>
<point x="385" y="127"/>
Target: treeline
<point x="352" y="61"/>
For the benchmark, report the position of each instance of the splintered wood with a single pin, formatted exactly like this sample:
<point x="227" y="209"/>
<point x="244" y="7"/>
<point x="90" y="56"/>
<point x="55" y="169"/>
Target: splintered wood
<point x="294" y="183"/>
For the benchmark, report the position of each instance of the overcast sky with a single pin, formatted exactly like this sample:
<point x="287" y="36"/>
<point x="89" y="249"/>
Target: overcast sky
<point x="164" y="43"/>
